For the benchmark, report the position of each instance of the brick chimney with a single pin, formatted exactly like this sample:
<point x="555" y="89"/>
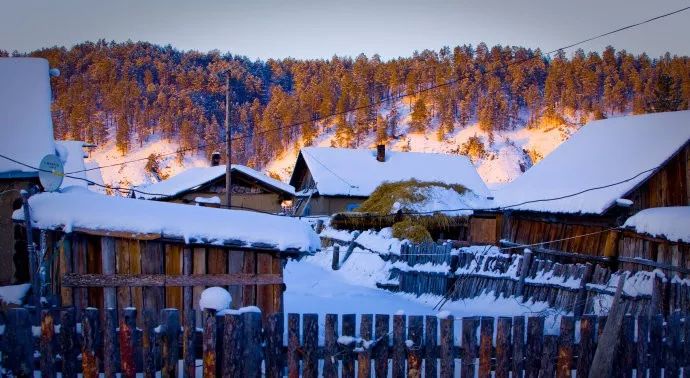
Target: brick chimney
<point x="381" y="152"/>
<point x="215" y="159"/>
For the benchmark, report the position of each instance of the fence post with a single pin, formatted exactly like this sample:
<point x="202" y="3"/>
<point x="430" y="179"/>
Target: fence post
<point x="330" y="363"/>
<point x="398" y="358"/>
<point x="587" y="346"/>
<point x="110" y="343"/>
<point x="565" y="347"/>
<point x="68" y="343"/>
<point x="469" y="345"/>
<point x="310" y="359"/>
<point x="293" y="346"/>
<point x="335" y="264"/>
<point x="430" y="333"/>
<point x="415" y="332"/>
<point x="149" y="344"/>
<point x="189" y="368"/>
<point x="526" y="262"/>
<point x="108" y="263"/>
<point x="17" y="343"/>
<point x="274" y="346"/>
<point x="535" y="337"/>
<point x="89" y="327"/>
<point x="518" y="345"/>
<point x="170" y="332"/>
<point x="447" y="368"/>
<point x="252" y="338"/>
<point x="503" y="329"/>
<point x="46" y="344"/>
<point x="349" y="321"/>
<point x="128" y="327"/>
<point x="581" y="297"/>
<point x="209" y="344"/>
<point x="485" y="346"/>
<point x="232" y="359"/>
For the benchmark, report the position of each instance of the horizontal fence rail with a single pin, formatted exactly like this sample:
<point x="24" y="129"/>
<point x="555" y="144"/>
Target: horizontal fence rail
<point x="239" y="344"/>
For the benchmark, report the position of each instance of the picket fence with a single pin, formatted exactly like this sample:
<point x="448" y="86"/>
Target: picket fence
<point x="239" y="344"/>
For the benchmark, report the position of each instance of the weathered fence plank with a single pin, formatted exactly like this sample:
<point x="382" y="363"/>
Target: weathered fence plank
<point x="430" y="336"/>
<point x="110" y="347"/>
<point x="252" y="353"/>
<point x="127" y="337"/>
<point x="46" y="344"/>
<point x="415" y="330"/>
<point x="565" y="347"/>
<point x="209" y="344"/>
<point x="310" y="359"/>
<point x="547" y="367"/>
<point x="364" y="354"/>
<point x="170" y="347"/>
<point x="656" y="346"/>
<point x="17" y="356"/>
<point x="469" y="346"/>
<point x="231" y="358"/>
<point x="485" y="346"/>
<point x="89" y="343"/>
<point x="447" y="368"/>
<point x="503" y="351"/>
<point x="274" y="345"/>
<point x="518" y="345"/>
<point x="642" y="345"/>
<point x="535" y="332"/>
<point x="330" y="363"/>
<point x="381" y="345"/>
<point x="293" y="346"/>
<point x="398" y="358"/>
<point x="349" y="321"/>
<point x="68" y="343"/>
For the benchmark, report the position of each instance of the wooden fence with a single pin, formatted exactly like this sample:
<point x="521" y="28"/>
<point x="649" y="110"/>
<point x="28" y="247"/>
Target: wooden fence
<point x="238" y="344"/>
<point x="575" y="287"/>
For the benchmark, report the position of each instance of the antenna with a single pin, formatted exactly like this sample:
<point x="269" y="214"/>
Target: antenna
<point x="51" y="172"/>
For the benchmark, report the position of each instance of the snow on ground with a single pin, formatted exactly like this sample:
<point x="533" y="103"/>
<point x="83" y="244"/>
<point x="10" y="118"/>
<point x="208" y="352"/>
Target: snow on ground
<point x="13" y="294"/>
<point x="673" y="223"/>
<point x="134" y="173"/>
<point x="312" y="287"/>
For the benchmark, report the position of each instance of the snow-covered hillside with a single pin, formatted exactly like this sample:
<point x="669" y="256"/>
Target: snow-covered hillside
<point x="501" y="161"/>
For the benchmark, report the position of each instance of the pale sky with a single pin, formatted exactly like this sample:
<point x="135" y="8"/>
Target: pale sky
<point x="319" y="29"/>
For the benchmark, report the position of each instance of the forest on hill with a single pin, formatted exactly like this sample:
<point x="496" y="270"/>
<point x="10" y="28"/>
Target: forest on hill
<point x="132" y="91"/>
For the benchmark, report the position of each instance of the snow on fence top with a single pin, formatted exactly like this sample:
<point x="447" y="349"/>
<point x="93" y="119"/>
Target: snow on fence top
<point x="26" y="129"/>
<point x="356" y="172"/>
<point x="79" y="208"/>
<point x="193" y="178"/>
<point x="601" y="153"/>
<point x="673" y="223"/>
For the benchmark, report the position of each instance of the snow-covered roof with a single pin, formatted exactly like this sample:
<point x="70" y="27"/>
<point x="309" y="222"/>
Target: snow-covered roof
<point x="71" y="152"/>
<point x="600" y="153"/>
<point x="356" y="172"/>
<point x="673" y="223"/>
<point x="193" y="178"/>
<point x="26" y="128"/>
<point x="80" y="208"/>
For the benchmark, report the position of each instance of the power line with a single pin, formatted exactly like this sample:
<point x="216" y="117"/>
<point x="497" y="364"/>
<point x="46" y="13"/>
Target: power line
<point x="407" y="94"/>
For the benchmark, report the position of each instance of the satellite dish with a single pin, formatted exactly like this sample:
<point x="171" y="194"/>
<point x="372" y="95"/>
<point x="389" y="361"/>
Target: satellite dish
<point x="51" y="172"/>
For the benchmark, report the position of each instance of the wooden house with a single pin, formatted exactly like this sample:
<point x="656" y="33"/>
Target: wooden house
<point x="606" y="172"/>
<point x="26" y="135"/>
<point x="105" y="251"/>
<point x="333" y="180"/>
<point x="206" y="186"/>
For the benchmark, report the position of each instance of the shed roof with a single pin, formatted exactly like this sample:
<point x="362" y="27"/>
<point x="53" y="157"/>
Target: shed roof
<point x="672" y="223"/>
<point x="193" y="178"/>
<point x="357" y="173"/>
<point x="80" y="209"/>
<point x="600" y="153"/>
<point x="26" y="128"/>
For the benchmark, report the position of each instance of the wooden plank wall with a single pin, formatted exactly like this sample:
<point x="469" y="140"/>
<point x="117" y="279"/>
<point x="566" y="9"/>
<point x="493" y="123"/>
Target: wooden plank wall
<point x="155" y="257"/>
<point x="529" y="231"/>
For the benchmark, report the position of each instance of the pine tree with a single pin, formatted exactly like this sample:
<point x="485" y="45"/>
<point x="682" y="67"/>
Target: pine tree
<point x="419" y="119"/>
<point x="381" y="130"/>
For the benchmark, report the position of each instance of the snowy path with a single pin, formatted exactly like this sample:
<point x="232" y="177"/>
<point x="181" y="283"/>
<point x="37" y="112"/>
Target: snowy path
<point x="312" y="287"/>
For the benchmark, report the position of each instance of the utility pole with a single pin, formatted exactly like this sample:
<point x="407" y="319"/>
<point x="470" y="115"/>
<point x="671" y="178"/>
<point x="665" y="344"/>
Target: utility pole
<point x="228" y="142"/>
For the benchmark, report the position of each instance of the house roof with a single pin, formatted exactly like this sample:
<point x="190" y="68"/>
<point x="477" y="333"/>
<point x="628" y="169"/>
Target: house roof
<point x="600" y="153"/>
<point x="79" y="209"/>
<point x="672" y="223"/>
<point x="193" y="178"/>
<point x="357" y="173"/>
<point x="26" y="128"/>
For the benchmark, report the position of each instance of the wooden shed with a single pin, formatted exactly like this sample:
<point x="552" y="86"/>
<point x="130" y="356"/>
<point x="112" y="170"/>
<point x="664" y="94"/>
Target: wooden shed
<point x="120" y="252"/>
<point x="582" y="192"/>
<point x="206" y="186"/>
<point x="334" y="180"/>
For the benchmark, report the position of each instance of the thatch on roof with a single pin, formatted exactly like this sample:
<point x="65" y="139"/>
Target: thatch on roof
<point x="386" y="195"/>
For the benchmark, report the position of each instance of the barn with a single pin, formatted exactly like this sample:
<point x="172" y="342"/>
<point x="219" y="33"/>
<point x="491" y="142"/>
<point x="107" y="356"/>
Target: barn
<point x="332" y="180"/>
<point x="580" y="194"/>
<point x="114" y="252"/>
<point x="206" y="186"/>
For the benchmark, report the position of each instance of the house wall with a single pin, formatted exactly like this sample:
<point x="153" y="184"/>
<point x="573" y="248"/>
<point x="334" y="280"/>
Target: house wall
<point x="325" y="205"/>
<point x="268" y="202"/>
<point x="135" y="256"/>
<point x="670" y="186"/>
<point x="12" y="236"/>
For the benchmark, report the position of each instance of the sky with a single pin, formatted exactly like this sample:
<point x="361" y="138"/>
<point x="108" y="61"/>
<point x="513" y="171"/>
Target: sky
<point x="320" y="28"/>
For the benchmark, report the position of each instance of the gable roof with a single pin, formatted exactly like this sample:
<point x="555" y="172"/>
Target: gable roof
<point x="600" y="153"/>
<point x="194" y="178"/>
<point x="80" y="209"/>
<point x="26" y="128"/>
<point x="357" y="173"/>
